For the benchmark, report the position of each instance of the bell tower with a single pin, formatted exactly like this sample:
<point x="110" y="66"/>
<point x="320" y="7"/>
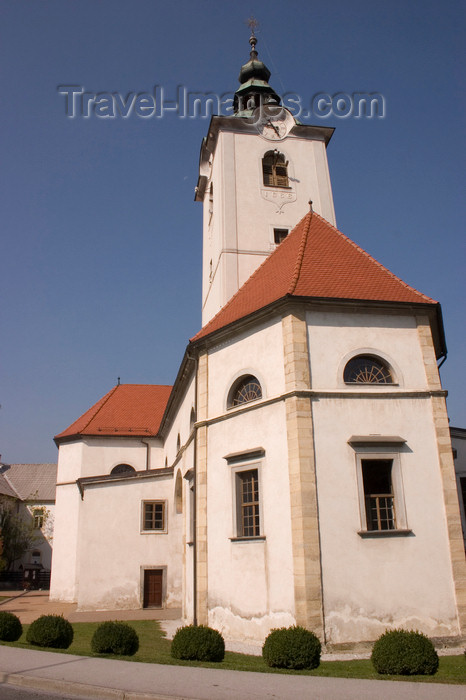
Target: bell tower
<point x="258" y="169"/>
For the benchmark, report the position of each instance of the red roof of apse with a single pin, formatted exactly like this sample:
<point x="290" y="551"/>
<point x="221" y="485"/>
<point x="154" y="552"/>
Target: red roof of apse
<point x="127" y="410"/>
<point x="315" y="260"/>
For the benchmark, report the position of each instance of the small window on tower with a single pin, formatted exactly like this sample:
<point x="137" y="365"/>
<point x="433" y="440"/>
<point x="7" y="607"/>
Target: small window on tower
<point x="275" y="169"/>
<point x="279" y="235"/>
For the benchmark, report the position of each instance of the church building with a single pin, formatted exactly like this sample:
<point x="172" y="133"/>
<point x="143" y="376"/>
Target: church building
<point x="300" y="469"/>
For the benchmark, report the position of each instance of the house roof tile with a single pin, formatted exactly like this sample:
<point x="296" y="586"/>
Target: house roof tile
<point x="316" y="260"/>
<point x="31" y="482"/>
<point x="127" y="410"/>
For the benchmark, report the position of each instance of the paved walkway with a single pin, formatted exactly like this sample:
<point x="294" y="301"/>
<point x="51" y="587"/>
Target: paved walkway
<point x="29" y="605"/>
<point x="127" y="680"/>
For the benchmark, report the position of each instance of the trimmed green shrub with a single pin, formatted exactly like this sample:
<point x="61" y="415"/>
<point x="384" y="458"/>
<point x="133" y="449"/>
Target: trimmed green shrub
<point x="50" y="631"/>
<point x="115" y="638"/>
<point x="292" y="647"/>
<point x="198" y="643"/>
<point x="404" y="653"/>
<point x="11" y="628"/>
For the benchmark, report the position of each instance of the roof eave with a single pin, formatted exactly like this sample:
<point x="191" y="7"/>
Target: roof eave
<point x="433" y="310"/>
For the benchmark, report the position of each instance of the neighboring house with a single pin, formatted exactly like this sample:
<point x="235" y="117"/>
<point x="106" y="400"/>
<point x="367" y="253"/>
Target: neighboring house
<point x="300" y="469"/>
<point x="458" y="441"/>
<point x="31" y="490"/>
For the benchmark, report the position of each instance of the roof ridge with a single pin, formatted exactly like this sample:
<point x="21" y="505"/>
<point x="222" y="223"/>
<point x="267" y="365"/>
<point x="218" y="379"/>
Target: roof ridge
<point x="142" y="384"/>
<point x="300" y="256"/>
<point x="11" y="485"/>
<point x="101" y="405"/>
<point x="374" y="260"/>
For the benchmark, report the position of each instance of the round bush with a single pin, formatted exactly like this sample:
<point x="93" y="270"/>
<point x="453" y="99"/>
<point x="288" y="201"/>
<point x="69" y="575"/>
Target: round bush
<point x="11" y="628"/>
<point x="199" y="643"/>
<point x="404" y="653"/>
<point x="292" y="647"/>
<point x="115" y="638"/>
<point x="50" y="631"/>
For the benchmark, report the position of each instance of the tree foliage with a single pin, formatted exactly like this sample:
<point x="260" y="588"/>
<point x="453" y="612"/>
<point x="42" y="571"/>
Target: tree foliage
<point x="16" y="534"/>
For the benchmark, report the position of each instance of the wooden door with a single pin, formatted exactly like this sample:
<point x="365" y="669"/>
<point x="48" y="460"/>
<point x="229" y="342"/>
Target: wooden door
<point x="153" y="588"/>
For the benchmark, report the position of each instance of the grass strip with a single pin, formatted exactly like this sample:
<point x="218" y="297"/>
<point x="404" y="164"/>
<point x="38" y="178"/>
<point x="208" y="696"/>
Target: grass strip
<point x="154" y="648"/>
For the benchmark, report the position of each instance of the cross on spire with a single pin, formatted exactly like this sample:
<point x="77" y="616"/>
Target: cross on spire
<point x="252" y="24"/>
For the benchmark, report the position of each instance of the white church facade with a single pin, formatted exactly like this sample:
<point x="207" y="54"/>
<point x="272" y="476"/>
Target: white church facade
<point x="300" y="469"/>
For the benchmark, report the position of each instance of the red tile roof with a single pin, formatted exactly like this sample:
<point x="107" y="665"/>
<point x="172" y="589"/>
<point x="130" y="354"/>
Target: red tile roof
<point x="127" y="410"/>
<point x="318" y="261"/>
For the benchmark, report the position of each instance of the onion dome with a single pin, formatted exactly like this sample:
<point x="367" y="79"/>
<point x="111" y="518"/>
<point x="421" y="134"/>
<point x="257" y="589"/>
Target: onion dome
<point x="254" y="89"/>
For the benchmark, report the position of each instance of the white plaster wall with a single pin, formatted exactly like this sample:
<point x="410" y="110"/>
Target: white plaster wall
<point x="43" y="537"/>
<point x="100" y="455"/>
<point x="258" y="352"/>
<point x="239" y="234"/>
<point x="374" y="583"/>
<point x="180" y="424"/>
<point x="335" y="336"/>
<point x="251" y="586"/>
<point x="113" y="549"/>
<point x="250" y="583"/>
<point x="63" y="582"/>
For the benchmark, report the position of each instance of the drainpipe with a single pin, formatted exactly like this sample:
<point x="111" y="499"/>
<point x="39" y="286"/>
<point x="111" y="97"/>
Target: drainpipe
<point x="195" y="359"/>
<point x="147" y="444"/>
<point x="443" y="360"/>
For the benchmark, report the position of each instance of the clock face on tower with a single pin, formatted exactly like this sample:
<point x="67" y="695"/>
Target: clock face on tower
<point x="273" y="123"/>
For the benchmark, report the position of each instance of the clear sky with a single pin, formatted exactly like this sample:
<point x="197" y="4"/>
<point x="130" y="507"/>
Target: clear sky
<point x="101" y="238"/>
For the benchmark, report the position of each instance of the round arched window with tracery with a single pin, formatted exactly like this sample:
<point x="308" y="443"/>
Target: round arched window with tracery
<point x="245" y="389"/>
<point x="366" y="369"/>
<point x="122" y="469"/>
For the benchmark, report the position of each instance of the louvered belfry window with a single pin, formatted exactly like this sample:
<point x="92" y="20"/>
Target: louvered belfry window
<point x="275" y="169"/>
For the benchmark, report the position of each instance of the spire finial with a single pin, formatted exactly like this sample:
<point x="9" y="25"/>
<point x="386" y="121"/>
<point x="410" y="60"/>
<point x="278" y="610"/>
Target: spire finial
<point x="253" y="24"/>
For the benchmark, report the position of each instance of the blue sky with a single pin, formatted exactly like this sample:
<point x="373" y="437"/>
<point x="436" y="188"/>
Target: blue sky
<point x="101" y="238"/>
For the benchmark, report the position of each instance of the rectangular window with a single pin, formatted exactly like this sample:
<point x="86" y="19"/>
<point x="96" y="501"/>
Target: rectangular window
<point x="153" y="516"/>
<point x="247" y="495"/>
<point x="38" y="516"/>
<point x="463" y="490"/>
<point x="378" y="494"/>
<point x="380" y="485"/>
<point x="279" y="235"/>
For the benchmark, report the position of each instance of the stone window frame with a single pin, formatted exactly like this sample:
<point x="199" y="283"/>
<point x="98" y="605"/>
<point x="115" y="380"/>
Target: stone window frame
<point x="235" y="384"/>
<point x="239" y="464"/>
<point x="372" y="448"/>
<point x="397" y="378"/>
<point x="154" y="531"/>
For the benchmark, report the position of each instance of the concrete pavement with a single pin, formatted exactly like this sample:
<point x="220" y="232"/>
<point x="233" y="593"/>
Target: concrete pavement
<point x="126" y="680"/>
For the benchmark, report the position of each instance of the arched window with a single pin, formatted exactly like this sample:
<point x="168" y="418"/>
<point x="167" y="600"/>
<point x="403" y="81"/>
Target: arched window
<point x="367" y="369"/>
<point x="122" y="469"/>
<point x="275" y="169"/>
<point x="192" y="419"/>
<point x="178" y="493"/>
<point x="245" y="389"/>
<point x="178" y="443"/>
